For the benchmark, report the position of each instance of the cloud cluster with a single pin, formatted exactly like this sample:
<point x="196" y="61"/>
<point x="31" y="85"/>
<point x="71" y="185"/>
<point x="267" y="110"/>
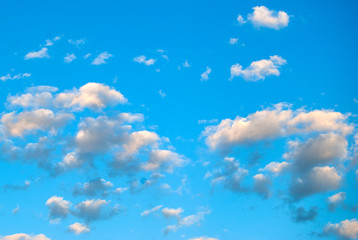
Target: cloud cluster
<point x="346" y="229"/>
<point x="78" y="228"/>
<point x="144" y="60"/>
<point x="23" y="236"/>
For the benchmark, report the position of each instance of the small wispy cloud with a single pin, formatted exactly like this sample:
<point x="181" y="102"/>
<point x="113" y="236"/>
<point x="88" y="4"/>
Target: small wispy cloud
<point x="234" y="41"/>
<point x="205" y="75"/>
<point x="143" y="59"/>
<point x="18" y="76"/>
<point x="101" y="58"/>
<point x="162" y="94"/>
<point x="69" y="57"/>
<point x="42" y="53"/>
<point x="50" y="42"/>
<point x="77" y="42"/>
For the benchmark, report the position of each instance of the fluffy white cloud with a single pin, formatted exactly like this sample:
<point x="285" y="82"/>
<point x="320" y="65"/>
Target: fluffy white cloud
<point x="163" y="159"/>
<point x="275" y="167"/>
<point x="78" y="228"/>
<point x="258" y="70"/>
<point x="58" y="207"/>
<point x="41" y="119"/>
<point x="18" y="76"/>
<point x="187" y="221"/>
<point x="102" y="58"/>
<point x="264" y="17"/>
<point x="92" y="95"/>
<point x="205" y="75"/>
<point x="172" y="212"/>
<point x="346" y="229"/>
<point x="270" y="123"/>
<point x="69" y="57"/>
<point x="35" y="97"/>
<point x="23" y="236"/>
<point x="241" y="20"/>
<point x="42" y="53"/>
<point x="143" y="59"/>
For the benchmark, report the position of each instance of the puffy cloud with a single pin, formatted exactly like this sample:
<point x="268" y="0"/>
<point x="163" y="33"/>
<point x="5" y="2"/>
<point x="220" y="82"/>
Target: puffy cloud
<point x="275" y="167"/>
<point x="258" y="70"/>
<point x="172" y="212"/>
<point x="18" y="76"/>
<point x="23" y="236"/>
<point x="102" y="58"/>
<point x="302" y="215"/>
<point x="317" y="180"/>
<point x="230" y="175"/>
<point x="317" y="151"/>
<point x="95" y="187"/>
<point x="92" y="95"/>
<point x="346" y="229"/>
<point x="263" y="17"/>
<point x="42" y="119"/>
<point x="205" y="75"/>
<point x="163" y="159"/>
<point x="78" y="228"/>
<point x="69" y="57"/>
<point x="143" y="59"/>
<point x="36" y="97"/>
<point x="150" y="211"/>
<point x="94" y="209"/>
<point x="262" y="185"/>
<point x="271" y="123"/>
<point x="42" y="53"/>
<point x="58" y="207"/>
<point x="336" y="200"/>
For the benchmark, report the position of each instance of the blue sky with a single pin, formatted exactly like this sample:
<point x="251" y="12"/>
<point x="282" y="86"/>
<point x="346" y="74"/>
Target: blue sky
<point x="198" y="120"/>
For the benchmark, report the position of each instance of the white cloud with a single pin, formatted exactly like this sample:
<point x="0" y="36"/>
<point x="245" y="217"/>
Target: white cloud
<point x="150" y="211"/>
<point x="263" y="17"/>
<point x="69" y="57"/>
<point x="41" y="119"/>
<point x="346" y="229"/>
<point x="162" y="94"/>
<point x="77" y="42"/>
<point x="234" y="41"/>
<point x="241" y="20"/>
<point x="143" y="59"/>
<point x="172" y="212"/>
<point x="262" y="185"/>
<point x="95" y="96"/>
<point x="203" y="238"/>
<point x="186" y="64"/>
<point x="317" y="180"/>
<point x="23" y="236"/>
<point x="336" y="200"/>
<point x="78" y="228"/>
<point x="58" y="207"/>
<point x="102" y="58"/>
<point x="187" y="221"/>
<point x="163" y="159"/>
<point x="270" y="123"/>
<point x="42" y="53"/>
<point x="275" y="167"/>
<point x="258" y="70"/>
<point x="205" y="75"/>
<point x="18" y="76"/>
